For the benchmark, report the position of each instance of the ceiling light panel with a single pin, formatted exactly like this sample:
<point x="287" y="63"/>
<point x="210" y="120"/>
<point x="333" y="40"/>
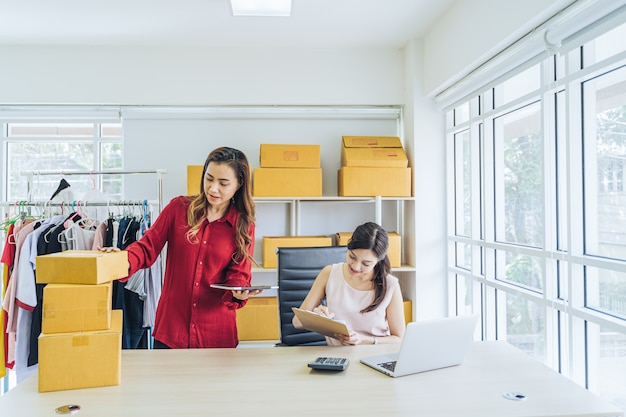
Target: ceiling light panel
<point x="261" y="7"/>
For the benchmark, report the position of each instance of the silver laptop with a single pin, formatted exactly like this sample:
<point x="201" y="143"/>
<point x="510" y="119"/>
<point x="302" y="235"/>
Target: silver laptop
<point x="428" y="345"/>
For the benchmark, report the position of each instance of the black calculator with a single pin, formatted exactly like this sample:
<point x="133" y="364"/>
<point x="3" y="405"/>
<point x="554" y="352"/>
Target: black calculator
<point x="329" y="364"/>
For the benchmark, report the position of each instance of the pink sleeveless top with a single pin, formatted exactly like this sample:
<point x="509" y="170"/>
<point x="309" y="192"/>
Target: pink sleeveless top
<point x="346" y="303"/>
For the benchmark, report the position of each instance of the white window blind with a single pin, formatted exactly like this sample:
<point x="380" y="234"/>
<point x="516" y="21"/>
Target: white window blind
<point x="568" y="29"/>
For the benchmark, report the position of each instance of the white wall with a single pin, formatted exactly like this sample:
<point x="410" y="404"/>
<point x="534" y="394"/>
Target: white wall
<point x="172" y="143"/>
<point x="426" y="126"/>
<point x="199" y="76"/>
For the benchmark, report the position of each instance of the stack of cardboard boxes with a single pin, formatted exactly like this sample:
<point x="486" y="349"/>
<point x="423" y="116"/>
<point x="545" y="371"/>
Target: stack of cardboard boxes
<point x="81" y="340"/>
<point x="373" y="166"/>
<point x="288" y="170"/>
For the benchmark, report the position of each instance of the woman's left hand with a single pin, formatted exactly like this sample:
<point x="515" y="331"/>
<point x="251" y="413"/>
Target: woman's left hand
<point x="244" y="295"/>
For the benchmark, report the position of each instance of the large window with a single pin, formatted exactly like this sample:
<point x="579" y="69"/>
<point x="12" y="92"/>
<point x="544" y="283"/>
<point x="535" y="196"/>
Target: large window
<point x="604" y="136"/>
<point x="518" y="148"/>
<point x="541" y="167"/>
<point x="43" y="148"/>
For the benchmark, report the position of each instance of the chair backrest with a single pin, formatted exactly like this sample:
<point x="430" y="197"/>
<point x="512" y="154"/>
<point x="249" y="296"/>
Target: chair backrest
<point x="297" y="269"/>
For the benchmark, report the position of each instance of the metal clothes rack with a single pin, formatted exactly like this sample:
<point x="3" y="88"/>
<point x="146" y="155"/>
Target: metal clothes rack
<point x="47" y="203"/>
<point x="158" y="172"/>
<point x="76" y="204"/>
<point x="44" y="204"/>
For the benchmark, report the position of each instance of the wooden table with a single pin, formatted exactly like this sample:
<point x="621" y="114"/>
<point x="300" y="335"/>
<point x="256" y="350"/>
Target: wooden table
<point x="277" y="382"/>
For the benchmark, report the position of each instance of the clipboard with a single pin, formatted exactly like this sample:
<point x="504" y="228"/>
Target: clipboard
<point x="249" y="288"/>
<point x="320" y="324"/>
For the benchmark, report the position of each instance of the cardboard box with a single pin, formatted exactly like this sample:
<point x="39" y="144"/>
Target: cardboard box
<point x="81" y="359"/>
<point x="289" y="156"/>
<point x="81" y="267"/>
<point x="270" y="243"/>
<point x="287" y="182"/>
<point x="374" y="157"/>
<point x="76" y="307"/>
<point x="342" y="238"/>
<point x="194" y="178"/>
<point x="408" y="311"/>
<point x="373" y="151"/>
<point x="259" y="319"/>
<point x="370" y="182"/>
<point x="371" y="142"/>
<point x="394" y="252"/>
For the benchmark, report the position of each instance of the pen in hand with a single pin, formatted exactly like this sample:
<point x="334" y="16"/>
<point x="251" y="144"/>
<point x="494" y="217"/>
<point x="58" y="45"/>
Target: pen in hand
<point x="322" y="310"/>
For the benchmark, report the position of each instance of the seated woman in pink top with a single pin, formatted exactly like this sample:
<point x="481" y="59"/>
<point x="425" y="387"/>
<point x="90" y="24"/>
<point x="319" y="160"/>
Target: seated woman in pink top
<point x="360" y="292"/>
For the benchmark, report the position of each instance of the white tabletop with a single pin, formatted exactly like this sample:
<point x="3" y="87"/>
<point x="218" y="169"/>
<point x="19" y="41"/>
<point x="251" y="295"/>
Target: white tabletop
<point x="277" y="382"/>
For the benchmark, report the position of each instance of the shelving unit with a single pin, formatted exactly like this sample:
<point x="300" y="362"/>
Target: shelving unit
<point x="290" y="220"/>
<point x="327" y="215"/>
<point x="296" y="217"/>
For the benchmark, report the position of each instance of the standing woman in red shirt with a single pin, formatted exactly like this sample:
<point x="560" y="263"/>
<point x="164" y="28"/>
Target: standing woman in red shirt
<point x="210" y="240"/>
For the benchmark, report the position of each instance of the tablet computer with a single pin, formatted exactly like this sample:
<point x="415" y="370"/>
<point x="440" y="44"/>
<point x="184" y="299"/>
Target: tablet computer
<point x="249" y="288"/>
<point x="320" y="324"/>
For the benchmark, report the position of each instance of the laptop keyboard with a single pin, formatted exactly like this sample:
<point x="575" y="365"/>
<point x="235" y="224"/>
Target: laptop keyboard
<point x="391" y="366"/>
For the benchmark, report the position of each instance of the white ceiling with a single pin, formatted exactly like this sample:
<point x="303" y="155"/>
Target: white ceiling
<point x="314" y="23"/>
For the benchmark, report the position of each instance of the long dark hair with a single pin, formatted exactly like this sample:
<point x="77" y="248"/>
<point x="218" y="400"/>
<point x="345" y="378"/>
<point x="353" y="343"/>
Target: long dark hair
<point x="373" y="237"/>
<point x="242" y="200"/>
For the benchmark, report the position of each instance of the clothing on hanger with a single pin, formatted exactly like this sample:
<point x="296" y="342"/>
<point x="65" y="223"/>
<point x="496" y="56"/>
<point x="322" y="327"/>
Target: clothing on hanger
<point x="63" y="186"/>
<point x="22" y="303"/>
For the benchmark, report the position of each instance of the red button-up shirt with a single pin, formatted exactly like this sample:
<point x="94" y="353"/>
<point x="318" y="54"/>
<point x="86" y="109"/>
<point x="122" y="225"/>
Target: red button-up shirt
<point x="190" y="313"/>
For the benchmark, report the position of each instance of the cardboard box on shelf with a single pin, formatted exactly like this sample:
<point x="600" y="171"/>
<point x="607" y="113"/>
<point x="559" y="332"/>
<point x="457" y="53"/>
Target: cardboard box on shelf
<point x="371" y="142"/>
<point x="374" y="157"/>
<point x="394" y="252"/>
<point x="371" y="182"/>
<point x="259" y="320"/>
<point x="81" y="267"/>
<point x="342" y="238"/>
<point x="372" y="151"/>
<point x="408" y="311"/>
<point x="76" y="307"/>
<point x="270" y="243"/>
<point x="194" y="179"/>
<point x="81" y="359"/>
<point x="287" y="182"/>
<point x="289" y="156"/>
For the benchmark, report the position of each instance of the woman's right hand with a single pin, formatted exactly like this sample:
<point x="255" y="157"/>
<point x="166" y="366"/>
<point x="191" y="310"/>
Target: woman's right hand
<point x="109" y="249"/>
<point x="322" y="310"/>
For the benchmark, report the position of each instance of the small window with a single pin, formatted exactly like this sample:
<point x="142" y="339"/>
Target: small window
<point x="45" y="147"/>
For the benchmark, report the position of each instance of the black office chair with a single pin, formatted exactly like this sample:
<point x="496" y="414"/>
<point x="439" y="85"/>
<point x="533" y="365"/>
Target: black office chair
<point x="297" y="269"/>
